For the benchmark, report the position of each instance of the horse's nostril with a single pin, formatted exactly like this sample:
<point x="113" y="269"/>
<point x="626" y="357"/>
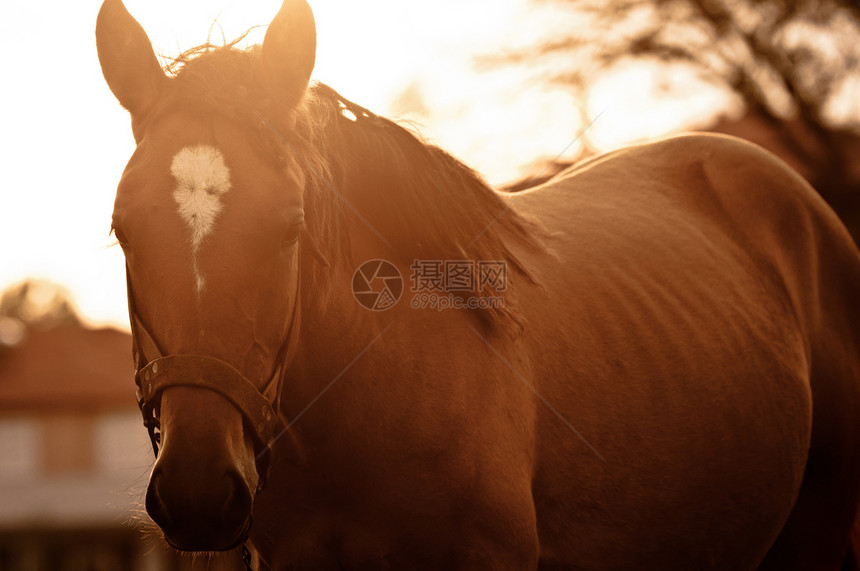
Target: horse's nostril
<point x="155" y="506"/>
<point x="237" y="509"/>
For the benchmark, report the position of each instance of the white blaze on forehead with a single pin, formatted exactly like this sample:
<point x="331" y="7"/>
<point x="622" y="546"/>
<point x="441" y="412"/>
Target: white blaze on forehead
<point x="202" y="177"/>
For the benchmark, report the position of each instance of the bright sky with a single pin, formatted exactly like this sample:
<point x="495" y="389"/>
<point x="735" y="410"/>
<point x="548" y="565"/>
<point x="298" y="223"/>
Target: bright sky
<point x="64" y="140"/>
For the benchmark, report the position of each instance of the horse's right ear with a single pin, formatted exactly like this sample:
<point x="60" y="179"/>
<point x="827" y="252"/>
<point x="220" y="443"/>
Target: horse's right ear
<point x="128" y="62"/>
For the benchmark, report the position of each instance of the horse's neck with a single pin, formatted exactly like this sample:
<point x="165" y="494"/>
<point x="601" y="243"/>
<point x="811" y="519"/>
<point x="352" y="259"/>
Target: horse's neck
<point x="328" y="306"/>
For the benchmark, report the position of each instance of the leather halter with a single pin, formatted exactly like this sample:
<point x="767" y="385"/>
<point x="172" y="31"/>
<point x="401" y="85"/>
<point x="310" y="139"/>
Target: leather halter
<point x="155" y="372"/>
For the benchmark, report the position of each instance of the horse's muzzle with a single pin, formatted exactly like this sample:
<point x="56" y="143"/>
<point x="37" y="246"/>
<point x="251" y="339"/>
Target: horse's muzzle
<point x="200" y="516"/>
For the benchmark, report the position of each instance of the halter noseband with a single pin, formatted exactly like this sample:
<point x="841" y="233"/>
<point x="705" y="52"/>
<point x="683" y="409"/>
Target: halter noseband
<point x="208" y="373"/>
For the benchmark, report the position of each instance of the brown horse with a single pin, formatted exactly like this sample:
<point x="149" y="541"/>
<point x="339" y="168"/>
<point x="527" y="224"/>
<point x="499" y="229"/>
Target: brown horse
<point x="672" y="381"/>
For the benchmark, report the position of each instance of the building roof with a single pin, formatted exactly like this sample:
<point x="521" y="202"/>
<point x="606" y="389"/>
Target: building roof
<point x="67" y="367"/>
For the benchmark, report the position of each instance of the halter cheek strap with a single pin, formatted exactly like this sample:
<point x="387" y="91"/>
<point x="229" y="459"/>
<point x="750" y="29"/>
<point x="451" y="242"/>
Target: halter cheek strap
<point x="154" y="373"/>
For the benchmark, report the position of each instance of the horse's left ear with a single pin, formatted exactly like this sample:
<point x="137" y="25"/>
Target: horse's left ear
<point x="128" y="63"/>
<point x="289" y="51"/>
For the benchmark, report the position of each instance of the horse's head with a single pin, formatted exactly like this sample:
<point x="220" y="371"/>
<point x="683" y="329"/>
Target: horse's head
<point x="209" y="213"/>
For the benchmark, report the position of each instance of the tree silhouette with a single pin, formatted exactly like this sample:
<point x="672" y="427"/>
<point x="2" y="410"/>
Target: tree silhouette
<point x="38" y="303"/>
<point x="794" y="63"/>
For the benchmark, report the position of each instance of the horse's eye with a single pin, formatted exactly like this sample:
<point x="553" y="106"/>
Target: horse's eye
<point x="294" y="230"/>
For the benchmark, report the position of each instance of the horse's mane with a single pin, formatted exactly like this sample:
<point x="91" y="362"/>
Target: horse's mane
<point x="416" y="197"/>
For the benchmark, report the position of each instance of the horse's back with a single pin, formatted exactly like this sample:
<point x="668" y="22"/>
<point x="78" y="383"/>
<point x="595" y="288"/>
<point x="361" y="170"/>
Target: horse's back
<point x="702" y="312"/>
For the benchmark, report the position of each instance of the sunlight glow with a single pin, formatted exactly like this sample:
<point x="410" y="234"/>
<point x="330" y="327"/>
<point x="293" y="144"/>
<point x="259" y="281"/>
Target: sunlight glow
<point x="66" y="140"/>
<point x="665" y="100"/>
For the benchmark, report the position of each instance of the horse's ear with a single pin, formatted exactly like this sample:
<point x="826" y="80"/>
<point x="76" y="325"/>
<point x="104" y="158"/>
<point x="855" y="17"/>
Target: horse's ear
<point x="128" y="62"/>
<point x="289" y="51"/>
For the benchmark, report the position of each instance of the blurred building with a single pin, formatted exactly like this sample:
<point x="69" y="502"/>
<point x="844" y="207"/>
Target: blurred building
<point x="74" y="456"/>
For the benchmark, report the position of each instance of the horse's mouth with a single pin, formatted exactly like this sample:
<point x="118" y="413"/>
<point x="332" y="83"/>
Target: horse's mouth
<point x="202" y="545"/>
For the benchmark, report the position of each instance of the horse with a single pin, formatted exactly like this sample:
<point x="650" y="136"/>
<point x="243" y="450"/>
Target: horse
<point x="668" y="378"/>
